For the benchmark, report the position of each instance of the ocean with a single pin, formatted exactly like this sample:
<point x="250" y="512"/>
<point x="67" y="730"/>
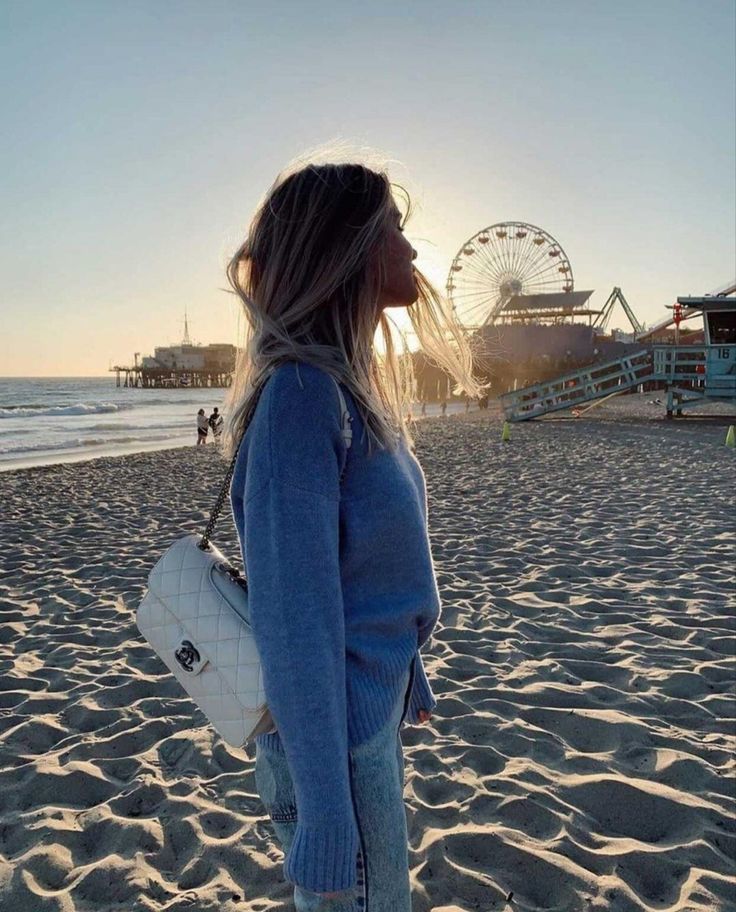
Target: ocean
<point x="44" y="420"/>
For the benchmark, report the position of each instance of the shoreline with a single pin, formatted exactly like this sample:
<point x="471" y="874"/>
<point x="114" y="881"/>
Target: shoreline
<point x="78" y="456"/>
<point x="629" y="410"/>
<point x="83" y="454"/>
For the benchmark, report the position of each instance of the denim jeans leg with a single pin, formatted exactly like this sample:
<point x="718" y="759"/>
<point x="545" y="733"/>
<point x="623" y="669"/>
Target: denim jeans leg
<point x="276" y="790"/>
<point x="376" y="770"/>
<point x="377" y="781"/>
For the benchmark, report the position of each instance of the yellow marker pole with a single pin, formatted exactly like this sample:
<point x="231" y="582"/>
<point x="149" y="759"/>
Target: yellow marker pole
<point x="731" y="437"/>
<point x="506" y="432"/>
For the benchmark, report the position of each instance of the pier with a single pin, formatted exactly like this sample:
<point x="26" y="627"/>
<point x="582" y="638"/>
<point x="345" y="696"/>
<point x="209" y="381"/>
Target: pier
<point x="170" y="378"/>
<point x="182" y="366"/>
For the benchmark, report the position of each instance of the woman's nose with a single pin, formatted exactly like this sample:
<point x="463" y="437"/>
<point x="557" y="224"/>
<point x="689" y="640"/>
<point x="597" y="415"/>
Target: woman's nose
<point x="413" y="254"/>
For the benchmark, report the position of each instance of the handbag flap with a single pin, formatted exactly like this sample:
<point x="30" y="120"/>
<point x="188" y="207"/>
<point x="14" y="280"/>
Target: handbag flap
<point x="182" y="571"/>
<point x="211" y="612"/>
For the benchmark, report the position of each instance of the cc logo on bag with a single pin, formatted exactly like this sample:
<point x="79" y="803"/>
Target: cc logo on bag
<point x="186" y="655"/>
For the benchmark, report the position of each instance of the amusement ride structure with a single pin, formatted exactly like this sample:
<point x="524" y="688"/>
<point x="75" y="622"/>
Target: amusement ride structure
<point x="513" y="272"/>
<point x="512" y="290"/>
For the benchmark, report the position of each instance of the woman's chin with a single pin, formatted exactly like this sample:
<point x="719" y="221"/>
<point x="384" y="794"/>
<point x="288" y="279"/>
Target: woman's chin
<point x="406" y="298"/>
<point x="411" y="297"/>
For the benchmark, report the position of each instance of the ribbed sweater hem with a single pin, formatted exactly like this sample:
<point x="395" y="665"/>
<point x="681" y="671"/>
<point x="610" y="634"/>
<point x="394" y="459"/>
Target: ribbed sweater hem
<point x="371" y="700"/>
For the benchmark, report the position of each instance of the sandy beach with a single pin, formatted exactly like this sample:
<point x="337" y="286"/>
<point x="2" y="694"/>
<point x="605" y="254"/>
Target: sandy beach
<point x="582" y="753"/>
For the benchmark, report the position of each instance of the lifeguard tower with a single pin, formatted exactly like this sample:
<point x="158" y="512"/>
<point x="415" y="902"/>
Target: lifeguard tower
<point x="692" y="374"/>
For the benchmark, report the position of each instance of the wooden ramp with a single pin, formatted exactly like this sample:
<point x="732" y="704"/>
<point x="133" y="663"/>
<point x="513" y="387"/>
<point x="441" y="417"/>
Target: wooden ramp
<point x="595" y="381"/>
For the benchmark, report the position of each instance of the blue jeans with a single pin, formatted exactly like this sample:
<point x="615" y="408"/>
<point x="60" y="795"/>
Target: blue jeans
<point x="377" y="782"/>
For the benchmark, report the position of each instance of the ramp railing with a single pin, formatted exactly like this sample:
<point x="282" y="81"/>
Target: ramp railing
<point x="584" y="385"/>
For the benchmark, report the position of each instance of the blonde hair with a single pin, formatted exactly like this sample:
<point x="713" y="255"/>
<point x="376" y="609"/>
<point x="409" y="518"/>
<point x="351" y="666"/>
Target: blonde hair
<point x="309" y="276"/>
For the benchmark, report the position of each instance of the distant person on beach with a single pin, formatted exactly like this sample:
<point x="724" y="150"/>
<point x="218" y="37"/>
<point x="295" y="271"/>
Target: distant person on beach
<point x="215" y="422"/>
<point x="202" y="426"/>
<point x="331" y="517"/>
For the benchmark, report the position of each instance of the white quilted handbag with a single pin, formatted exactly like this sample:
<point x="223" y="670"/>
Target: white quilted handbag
<point x="195" y="616"/>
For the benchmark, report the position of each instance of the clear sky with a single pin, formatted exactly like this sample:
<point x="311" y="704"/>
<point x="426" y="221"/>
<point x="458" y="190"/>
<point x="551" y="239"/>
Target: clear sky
<point x="140" y="136"/>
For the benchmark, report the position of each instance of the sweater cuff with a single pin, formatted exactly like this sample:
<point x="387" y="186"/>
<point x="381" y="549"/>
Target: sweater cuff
<point x="421" y="694"/>
<point x="323" y="858"/>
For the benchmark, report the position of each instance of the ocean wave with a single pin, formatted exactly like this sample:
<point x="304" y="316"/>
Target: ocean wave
<point x="81" y="408"/>
<point x="26" y="405"/>
<point x="182" y="425"/>
<point x="84" y="442"/>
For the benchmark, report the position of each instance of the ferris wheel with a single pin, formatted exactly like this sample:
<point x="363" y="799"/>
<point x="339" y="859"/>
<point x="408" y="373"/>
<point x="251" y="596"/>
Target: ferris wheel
<point x="500" y="262"/>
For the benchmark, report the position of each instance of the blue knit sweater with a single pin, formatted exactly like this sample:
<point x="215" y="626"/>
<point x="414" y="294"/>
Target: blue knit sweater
<point x="342" y="595"/>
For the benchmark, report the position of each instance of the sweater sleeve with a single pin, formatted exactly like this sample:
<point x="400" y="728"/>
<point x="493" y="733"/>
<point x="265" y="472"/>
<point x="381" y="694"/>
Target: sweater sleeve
<point x="421" y="696"/>
<point x="296" y="610"/>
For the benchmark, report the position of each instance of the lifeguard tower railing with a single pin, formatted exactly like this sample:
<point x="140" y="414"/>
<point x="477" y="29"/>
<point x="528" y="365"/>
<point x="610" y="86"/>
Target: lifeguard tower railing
<point x="690" y="373"/>
<point x="693" y="373"/>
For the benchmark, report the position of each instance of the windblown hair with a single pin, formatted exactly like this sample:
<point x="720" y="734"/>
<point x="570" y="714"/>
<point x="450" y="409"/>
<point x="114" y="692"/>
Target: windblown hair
<point x="309" y="275"/>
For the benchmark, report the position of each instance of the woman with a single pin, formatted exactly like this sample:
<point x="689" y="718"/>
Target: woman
<point x="202" y="426"/>
<point x="342" y="592"/>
